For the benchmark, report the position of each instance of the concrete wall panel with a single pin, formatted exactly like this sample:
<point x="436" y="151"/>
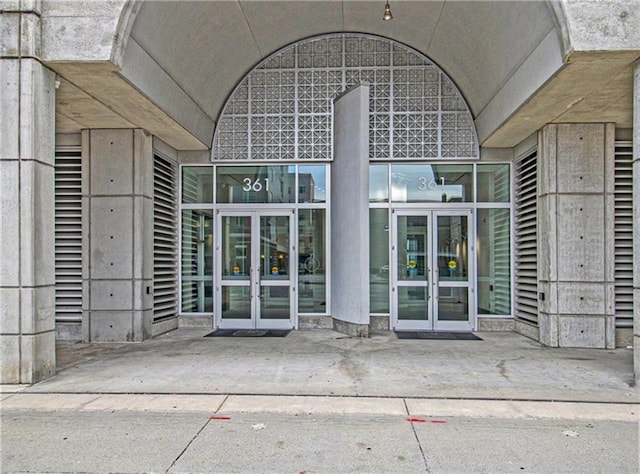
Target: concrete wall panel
<point x="111" y="326"/>
<point x="142" y="163"/>
<point x="547" y="243"/>
<point x="9" y="100"/>
<point x="142" y="299"/>
<point x="580" y="152"/>
<point x="9" y="223"/>
<point x="111" y="162"/>
<point x="581" y="298"/>
<point x="548" y="324"/>
<point x="38" y="309"/>
<point x="581" y="238"/>
<point x="582" y="332"/>
<point x="37" y="360"/>
<point x="10" y="310"/>
<point x="111" y="237"/>
<point x="112" y="295"/>
<point x="10" y="356"/>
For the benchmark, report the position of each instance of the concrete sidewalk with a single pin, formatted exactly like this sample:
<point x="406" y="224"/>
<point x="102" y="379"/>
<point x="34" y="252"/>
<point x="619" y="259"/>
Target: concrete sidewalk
<point x="318" y="401"/>
<point x="323" y="362"/>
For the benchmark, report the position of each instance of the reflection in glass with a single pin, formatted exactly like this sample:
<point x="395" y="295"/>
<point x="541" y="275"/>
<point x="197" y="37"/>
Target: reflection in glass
<point x="255" y="184"/>
<point x="453" y="255"/>
<point x="412" y="303"/>
<point x="274" y="302"/>
<point x="197" y="261"/>
<point x="197" y="184"/>
<point x="494" y="261"/>
<point x="379" y="260"/>
<point x="431" y="183"/>
<point x="236" y="302"/>
<point x="493" y="183"/>
<point x="312" y="277"/>
<point x="379" y="183"/>
<point x="453" y="304"/>
<point x="312" y="183"/>
<point x="236" y="247"/>
<point x="274" y="251"/>
<point x="412" y="248"/>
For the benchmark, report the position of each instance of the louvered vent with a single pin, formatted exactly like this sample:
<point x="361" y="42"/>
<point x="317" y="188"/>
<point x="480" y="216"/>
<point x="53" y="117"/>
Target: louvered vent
<point x="526" y="308"/>
<point x="502" y="263"/>
<point x="165" y="249"/>
<point x="68" y="235"/>
<point x="623" y="222"/>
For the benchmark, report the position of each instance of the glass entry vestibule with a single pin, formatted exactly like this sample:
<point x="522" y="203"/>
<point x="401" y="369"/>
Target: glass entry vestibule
<point x="255" y="278"/>
<point x="431" y="270"/>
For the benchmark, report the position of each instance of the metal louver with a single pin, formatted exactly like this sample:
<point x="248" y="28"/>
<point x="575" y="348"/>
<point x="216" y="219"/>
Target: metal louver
<point x="68" y="235"/>
<point x="526" y="205"/>
<point x="165" y="249"/>
<point x="623" y="238"/>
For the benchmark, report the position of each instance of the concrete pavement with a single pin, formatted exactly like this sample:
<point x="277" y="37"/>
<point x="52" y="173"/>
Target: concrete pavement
<point x="317" y="401"/>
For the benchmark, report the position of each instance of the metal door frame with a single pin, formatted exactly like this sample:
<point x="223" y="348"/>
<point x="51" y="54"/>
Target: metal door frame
<point x="255" y="283"/>
<point x="433" y="283"/>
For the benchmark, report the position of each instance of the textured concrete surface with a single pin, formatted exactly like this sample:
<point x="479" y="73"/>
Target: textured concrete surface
<point x="324" y="362"/>
<point x="319" y="401"/>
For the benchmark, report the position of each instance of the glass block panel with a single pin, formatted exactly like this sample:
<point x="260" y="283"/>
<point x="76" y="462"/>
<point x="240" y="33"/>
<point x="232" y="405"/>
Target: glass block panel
<point x="303" y="80"/>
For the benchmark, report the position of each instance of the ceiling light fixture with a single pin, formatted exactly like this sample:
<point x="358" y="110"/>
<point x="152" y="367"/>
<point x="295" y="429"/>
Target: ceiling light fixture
<point x="387" y="13"/>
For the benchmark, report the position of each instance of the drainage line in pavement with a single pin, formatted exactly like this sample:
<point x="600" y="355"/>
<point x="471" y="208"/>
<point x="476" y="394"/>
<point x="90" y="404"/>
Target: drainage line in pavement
<point x="415" y="434"/>
<point x="194" y="438"/>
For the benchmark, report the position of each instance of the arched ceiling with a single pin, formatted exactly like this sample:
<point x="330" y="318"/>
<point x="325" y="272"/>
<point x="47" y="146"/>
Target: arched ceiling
<point x="208" y="46"/>
<point x="520" y="64"/>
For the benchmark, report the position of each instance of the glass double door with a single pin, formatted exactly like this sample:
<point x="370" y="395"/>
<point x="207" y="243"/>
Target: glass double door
<point x="431" y="287"/>
<point x="255" y="270"/>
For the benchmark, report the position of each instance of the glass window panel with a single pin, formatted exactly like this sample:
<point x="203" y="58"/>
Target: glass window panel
<point x="379" y="258"/>
<point x="379" y="183"/>
<point x="197" y="261"/>
<point x="197" y="184"/>
<point x="255" y="184"/>
<point x="236" y="247"/>
<point x="494" y="261"/>
<point x="312" y="285"/>
<point x="274" y="302"/>
<point x="431" y="183"/>
<point x="494" y="183"/>
<point x="412" y="303"/>
<point x="412" y="248"/>
<point x="274" y="251"/>
<point x="453" y="255"/>
<point x="236" y="302"/>
<point x="312" y="183"/>
<point x="453" y="304"/>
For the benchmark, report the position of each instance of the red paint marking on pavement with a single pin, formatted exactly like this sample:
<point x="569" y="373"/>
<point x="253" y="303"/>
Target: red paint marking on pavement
<point x="220" y="418"/>
<point x="441" y="422"/>
<point x="413" y="419"/>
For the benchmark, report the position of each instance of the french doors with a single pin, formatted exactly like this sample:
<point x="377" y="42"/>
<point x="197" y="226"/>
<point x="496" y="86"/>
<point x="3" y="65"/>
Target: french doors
<point x="255" y="270"/>
<point x="432" y="285"/>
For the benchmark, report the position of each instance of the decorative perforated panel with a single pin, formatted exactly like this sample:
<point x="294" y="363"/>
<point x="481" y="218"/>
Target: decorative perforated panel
<point x="283" y="109"/>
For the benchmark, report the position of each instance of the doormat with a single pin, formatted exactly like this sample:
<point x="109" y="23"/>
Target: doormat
<point x="249" y="333"/>
<point x="451" y="336"/>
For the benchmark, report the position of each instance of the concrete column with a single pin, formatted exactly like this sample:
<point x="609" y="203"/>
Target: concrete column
<point x="636" y="221"/>
<point x="350" y="213"/>
<point x="118" y="207"/>
<point x="27" y="277"/>
<point x="575" y="235"/>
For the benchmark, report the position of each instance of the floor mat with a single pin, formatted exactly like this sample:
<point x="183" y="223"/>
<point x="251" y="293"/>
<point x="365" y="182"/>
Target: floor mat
<point x="452" y="336"/>
<point x="249" y="333"/>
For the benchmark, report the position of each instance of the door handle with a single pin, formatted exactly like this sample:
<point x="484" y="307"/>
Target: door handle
<point x="258" y="281"/>
<point x="251" y="283"/>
